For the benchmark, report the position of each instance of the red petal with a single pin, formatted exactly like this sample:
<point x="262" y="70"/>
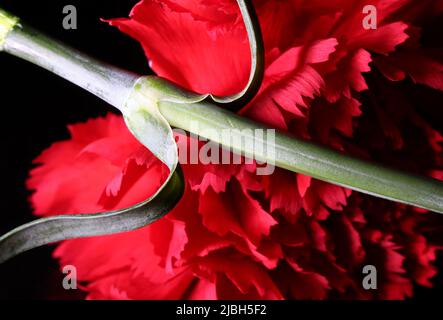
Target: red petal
<point x="235" y="213"/>
<point x="201" y="39"/>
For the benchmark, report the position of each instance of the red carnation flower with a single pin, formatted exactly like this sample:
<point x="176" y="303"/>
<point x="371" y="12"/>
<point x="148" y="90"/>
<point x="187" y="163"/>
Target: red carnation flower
<point x="235" y="234"/>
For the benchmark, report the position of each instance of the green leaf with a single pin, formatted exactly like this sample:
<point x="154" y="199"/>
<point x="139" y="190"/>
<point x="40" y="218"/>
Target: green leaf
<point x="148" y="125"/>
<point x="236" y="101"/>
<point x="257" y="59"/>
<point x="57" y="228"/>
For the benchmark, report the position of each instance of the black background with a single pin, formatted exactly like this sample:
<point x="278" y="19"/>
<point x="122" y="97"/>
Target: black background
<point x="35" y="108"/>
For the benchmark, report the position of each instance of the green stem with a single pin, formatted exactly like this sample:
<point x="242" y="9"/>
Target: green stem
<point x="308" y="158"/>
<point x="7" y="23"/>
<point x="112" y="84"/>
<point x="109" y="83"/>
